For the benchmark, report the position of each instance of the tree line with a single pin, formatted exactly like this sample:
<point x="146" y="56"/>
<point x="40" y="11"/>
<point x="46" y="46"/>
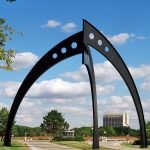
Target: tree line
<point x="54" y="125"/>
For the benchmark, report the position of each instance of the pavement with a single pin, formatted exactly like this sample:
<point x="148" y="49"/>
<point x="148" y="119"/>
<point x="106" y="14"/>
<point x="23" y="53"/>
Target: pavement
<point x="115" y="145"/>
<point x="36" y="145"/>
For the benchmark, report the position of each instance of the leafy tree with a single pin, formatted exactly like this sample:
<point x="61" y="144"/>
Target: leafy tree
<point x="148" y="129"/>
<point x="3" y="120"/>
<point x="102" y="131"/>
<point x="122" y="131"/>
<point x="54" y="122"/>
<point x="135" y="133"/>
<point x="109" y="131"/>
<point x="21" y="130"/>
<point x="6" y="56"/>
<point x="83" y="131"/>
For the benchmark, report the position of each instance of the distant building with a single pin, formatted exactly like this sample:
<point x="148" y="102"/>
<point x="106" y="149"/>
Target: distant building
<point x="68" y="134"/>
<point x="116" y="120"/>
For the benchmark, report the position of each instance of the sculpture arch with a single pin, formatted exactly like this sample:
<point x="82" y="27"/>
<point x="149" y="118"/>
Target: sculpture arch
<point x="90" y="36"/>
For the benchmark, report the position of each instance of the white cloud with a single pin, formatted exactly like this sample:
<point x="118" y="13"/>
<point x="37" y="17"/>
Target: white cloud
<point x="146" y="84"/>
<point x="113" y="104"/>
<point x="106" y="73"/>
<point x="69" y="27"/>
<point x="24" y="60"/>
<point x="74" y="97"/>
<point x="9" y="89"/>
<point x="66" y="109"/>
<point x="116" y="103"/>
<point x="122" y="38"/>
<point x="26" y="104"/>
<point x="3" y="105"/>
<point x="55" y="88"/>
<point x="51" y="24"/>
<point x="119" y="38"/>
<point x="146" y="106"/>
<point x="140" y="71"/>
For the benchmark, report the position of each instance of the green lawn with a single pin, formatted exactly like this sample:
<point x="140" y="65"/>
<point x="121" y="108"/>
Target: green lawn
<point x="79" y="145"/>
<point x="132" y="146"/>
<point x="16" y="145"/>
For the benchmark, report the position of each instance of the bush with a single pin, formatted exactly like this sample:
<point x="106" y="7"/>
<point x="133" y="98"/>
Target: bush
<point x="68" y="139"/>
<point x="58" y="139"/>
<point x="138" y="142"/>
<point x="79" y="138"/>
<point x="64" y="139"/>
<point x="76" y="138"/>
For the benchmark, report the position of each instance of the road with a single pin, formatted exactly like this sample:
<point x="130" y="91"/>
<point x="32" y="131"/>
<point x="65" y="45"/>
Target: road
<point x="36" y="145"/>
<point x="117" y="145"/>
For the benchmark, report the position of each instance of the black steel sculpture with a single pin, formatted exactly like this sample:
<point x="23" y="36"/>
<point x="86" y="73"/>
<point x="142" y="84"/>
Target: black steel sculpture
<point x="90" y="36"/>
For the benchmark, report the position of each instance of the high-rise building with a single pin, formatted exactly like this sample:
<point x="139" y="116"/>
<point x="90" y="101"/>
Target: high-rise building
<point x="116" y="120"/>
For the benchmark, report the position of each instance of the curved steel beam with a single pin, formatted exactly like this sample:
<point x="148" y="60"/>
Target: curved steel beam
<point x="95" y="39"/>
<point x="63" y="50"/>
<point x="87" y="61"/>
<point x="98" y="41"/>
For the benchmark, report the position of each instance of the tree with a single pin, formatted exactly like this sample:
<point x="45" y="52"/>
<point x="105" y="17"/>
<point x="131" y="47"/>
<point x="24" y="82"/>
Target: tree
<point x="102" y="131"/>
<point x="6" y="33"/>
<point x="83" y="131"/>
<point x="3" y="120"/>
<point x="54" y="122"/>
<point x="122" y="131"/>
<point x="20" y="131"/>
<point x="148" y="129"/>
<point x="135" y="133"/>
<point x="109" y="131"/>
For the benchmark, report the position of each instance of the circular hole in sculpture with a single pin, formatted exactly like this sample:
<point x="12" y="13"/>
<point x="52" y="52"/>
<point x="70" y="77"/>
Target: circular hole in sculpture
<point x="74" y="45"/>
<point x="63" y="50"/>
<point x="91" y="36"/>
<point x="54" y="55"/>
<point x="99" y="42"/>
<point x="106" y="49"/>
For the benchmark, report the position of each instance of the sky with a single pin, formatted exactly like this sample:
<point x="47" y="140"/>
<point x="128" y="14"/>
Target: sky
<point x="65" y="87"/>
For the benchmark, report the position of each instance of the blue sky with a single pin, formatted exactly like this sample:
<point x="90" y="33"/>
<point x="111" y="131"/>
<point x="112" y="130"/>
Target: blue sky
<point x="46" y="23"/>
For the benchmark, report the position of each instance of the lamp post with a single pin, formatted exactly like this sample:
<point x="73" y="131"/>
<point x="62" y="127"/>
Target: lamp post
<point x="25" y="137"/>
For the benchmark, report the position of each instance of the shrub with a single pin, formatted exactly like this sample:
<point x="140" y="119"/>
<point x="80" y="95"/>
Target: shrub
<point x="79" y="138"/>
<point x="138" y="142"/>
<point x="64" y="139"/>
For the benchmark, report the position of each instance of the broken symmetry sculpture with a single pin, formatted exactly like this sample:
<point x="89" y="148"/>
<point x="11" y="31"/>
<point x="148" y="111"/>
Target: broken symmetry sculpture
<point x="79" y="44"/>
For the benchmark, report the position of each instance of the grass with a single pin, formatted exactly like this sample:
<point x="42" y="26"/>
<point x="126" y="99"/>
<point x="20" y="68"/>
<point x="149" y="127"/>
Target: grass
<point x="79" y="145"/>
<point x="129" y="145"/>
<point x="16" y="145"/>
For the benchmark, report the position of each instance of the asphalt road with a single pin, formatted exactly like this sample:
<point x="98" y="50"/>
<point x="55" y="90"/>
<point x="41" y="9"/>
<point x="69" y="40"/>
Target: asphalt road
<point x="36" y="145"/>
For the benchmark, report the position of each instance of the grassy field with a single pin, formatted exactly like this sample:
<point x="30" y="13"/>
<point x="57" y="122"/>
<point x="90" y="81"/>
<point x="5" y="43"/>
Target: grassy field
<point x="79" y="145"/>
<point x="16" y="145"/>
<point x="129" y="145"/>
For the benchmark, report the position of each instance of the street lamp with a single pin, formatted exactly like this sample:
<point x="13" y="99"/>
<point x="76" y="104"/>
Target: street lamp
<point x="25" y="138"/>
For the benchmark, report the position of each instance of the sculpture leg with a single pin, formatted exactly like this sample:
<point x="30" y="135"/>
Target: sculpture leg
<point x="98" y="41"/>
<point x="87" y="60"/>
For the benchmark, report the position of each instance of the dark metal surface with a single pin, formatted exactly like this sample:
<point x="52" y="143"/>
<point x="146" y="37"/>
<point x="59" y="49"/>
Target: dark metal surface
<point x="46" y="62"/>
<point x="92" y="37"/>
<point x="87" y="61"/>
<point x="98" y="41"/>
